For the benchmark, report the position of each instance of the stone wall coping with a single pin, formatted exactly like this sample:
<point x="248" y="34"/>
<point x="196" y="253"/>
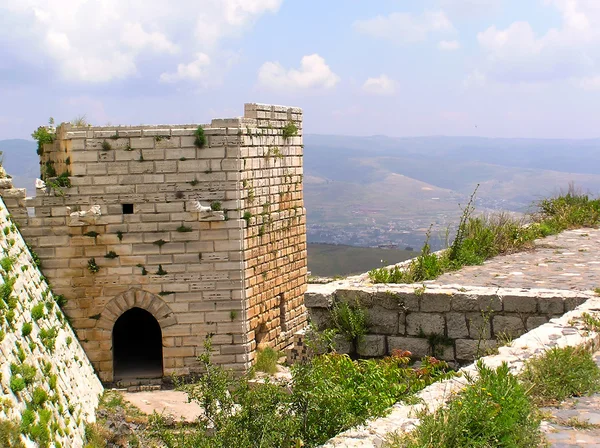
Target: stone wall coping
<point x="559" y="332"/>
<point x="330" y="289"/>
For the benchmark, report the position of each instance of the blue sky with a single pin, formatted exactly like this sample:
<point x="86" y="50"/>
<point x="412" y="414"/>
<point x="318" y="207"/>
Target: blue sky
<point x="494" y="68"/>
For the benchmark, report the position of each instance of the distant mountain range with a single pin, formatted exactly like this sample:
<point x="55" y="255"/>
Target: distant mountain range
<point x="381" y="190"/>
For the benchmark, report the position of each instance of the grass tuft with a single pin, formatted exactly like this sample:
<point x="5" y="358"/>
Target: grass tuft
<point x="479" y="238"/>
<point x="561" y="373"/>
<point x="492" y="411"/>
<point x="266" y="360"/>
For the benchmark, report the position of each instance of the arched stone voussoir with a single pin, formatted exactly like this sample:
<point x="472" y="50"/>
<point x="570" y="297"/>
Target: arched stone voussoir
<point x="136" y="298"/>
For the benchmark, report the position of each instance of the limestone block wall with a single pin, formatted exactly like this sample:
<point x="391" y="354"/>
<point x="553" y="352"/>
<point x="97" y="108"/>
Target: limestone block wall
<point x="452" y="323"/>
<point x="132" y="211"/>
<point x="275" y="239"/>
<point x="47" y="385"/>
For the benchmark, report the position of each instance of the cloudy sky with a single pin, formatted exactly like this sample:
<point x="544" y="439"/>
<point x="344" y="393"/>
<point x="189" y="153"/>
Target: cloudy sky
<point x="497" y="68"/>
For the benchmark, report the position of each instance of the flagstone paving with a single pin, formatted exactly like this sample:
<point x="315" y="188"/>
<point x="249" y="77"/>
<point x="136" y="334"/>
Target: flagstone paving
<point x="570" y="260"/>
<point x="576" y="423"/>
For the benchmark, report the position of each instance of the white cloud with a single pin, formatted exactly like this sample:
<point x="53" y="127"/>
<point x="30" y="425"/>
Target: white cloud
<point x="405" y="28"/>
<point x="382" y="85"/>
<point x="475" y="79"/>
<point x="470" y="8"/>
<point x="194" y="71"/>
<point x="518" y="54"/>
<point x="102" y="40"/>
<point x="313" y="73"/>
<point x="449" y="45"/>
<point x="136" y="38"/>
<point x="588" y="83"/>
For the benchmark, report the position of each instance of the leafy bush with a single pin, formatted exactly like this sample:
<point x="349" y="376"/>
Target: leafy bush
<point x="37" y="312"/>
<point x="17" y="384"/>
<point x="561" y="373"/>
<point x="63" y="180"/>
<point x="349" y="320"/>
<point x="26" y="329"/>
<point x="492" y="411"/>
<point x="42" y="135"/>
<point x="6" y="263"/>
<point x="330" y="394"/>
<point x="289" y="130"/>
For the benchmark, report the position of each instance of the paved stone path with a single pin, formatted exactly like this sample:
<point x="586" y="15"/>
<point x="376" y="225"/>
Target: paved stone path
<point x="586" y="410"/>
<point x="167" y="402"/>
<point x="570" y="260"/>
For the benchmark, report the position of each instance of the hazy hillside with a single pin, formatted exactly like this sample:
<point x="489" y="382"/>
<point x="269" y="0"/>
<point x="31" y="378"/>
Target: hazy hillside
<point x="329" y="260"/>
<point x="21" y="161"/>
<point x="379" y="190"/>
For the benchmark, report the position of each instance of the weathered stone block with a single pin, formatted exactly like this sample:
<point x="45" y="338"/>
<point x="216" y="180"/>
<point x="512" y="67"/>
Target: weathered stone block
<point x="427" y="323"/>
<point x="519" y="304"/>
<point x="468" y="349"/>
<point x="480" y="325"/>
<point x="417" y="346"/>
<point x="456" y="324"/>
<point x="471" y="302"/>
<point x="321" y="318"/>
<point x="317" y="300"/>
<point x="371" y="345"/>
<point x="342" y="344"/>
<point x="431" y="302"/>
<point x="551" y="305"/>
<point x="382" y="321"/>
<point x="535" y="321"/>
<point x="511" y="326"/>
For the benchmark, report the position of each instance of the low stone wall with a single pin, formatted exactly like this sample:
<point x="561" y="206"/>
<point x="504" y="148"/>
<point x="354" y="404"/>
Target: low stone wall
<point x="46" y="379"/>
<point x="451" y="322"/>
<point x="567" y="330"/>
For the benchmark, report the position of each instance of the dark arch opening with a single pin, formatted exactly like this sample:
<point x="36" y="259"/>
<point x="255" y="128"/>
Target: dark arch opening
<point x="137" y="346"/>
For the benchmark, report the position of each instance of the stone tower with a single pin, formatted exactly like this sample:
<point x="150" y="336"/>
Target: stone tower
<point x="159" y="238"/>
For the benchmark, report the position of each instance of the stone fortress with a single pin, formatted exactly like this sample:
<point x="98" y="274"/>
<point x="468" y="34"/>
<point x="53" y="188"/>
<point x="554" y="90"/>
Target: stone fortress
<point x="161" y="240"/>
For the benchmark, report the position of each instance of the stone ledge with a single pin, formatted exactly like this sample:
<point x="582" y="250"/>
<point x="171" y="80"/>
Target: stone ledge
<point x="559" y="332"/>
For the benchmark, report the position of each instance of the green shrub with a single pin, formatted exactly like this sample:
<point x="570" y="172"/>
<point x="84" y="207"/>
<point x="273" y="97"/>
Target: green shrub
<point x="561" y="373"/>
<point x="493" y="411"/>
<point x="17" y="384"/>
<point x="289" y="130"/>
<point x="10" y="435"/>
<point x="349" y="320"/>
<point x="266" y="360"/>
<point x="26" y="329"/>
<point x="48" y="338"/>
<point x="200" y="139"/>
<point x="37" y="312"/>
<point x="40" y="396"/>
<point x="60" y="300"/>
<point x="6" y="288"/>
<point x="6" y="263"/>
<point x="215" y="206"/>
<point x="63" y="180"/>
<point x="42" y="135"/>
<point x="329" y="394"/>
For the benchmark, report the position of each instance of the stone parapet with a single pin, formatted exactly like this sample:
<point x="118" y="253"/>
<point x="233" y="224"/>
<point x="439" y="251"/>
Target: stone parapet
<point x="453" y="323"/>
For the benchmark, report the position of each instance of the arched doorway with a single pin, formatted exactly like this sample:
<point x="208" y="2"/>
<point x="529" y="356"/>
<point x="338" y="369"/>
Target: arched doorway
<point x="137" y="346"/>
